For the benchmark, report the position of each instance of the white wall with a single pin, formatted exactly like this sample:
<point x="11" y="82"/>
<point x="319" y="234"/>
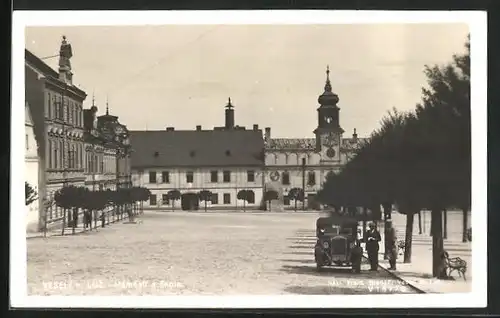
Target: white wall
<point x="31" y="164"/>
<point x="202" y="181"/>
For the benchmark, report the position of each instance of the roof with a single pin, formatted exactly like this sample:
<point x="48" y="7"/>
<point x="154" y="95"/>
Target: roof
<point x="292" y="144"/>
<point x="48" y="71"/>
<point x="192" y="148"/>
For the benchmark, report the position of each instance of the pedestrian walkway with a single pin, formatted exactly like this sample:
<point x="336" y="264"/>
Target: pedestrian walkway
<point x="419" y="272"/>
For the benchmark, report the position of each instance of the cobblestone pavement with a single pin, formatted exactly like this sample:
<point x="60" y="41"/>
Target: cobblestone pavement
<point x="196" y="254"/>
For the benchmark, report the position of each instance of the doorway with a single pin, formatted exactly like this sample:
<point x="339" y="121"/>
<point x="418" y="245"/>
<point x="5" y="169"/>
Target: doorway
<point x="190" y="201"/>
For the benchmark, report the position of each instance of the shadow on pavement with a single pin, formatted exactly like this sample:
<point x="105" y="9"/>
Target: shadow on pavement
<point x="302" y="261"/>
<point x="308" y="246"/>
<point x="311" y="253"/>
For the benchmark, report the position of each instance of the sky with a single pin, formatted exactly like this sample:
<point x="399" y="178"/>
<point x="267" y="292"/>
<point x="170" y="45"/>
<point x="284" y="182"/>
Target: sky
<point x="154" y="77"/>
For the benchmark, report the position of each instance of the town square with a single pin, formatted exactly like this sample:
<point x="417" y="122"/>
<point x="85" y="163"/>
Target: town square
<point x="291" y="160"/>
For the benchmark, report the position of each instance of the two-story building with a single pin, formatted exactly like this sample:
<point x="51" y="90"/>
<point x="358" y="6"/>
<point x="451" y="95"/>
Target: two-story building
<point x="57" y="112"/>
<point x="32" y="171"/>
<point x="223" y="160"/>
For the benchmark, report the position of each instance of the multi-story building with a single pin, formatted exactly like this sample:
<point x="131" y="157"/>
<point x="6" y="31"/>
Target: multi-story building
<point x="305" y="162"/>
<point x="32" y="170"/>
<point x="57" y="112"/>
<point x="107" y="151"/>
<point x="227" y="159"/>
<point x="223" y="160"/>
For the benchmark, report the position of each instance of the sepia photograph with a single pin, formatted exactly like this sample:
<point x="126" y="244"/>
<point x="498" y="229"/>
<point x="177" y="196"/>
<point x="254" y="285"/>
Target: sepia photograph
<point x="242" y="155"/>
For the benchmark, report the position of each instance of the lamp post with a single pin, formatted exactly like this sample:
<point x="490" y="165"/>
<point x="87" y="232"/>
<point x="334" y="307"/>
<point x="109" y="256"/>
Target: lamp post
<point x="304" y="183"/>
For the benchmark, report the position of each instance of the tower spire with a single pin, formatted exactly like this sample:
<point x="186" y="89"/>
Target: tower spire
<point x="328" y="85"/>
<point x="93" y="98"/>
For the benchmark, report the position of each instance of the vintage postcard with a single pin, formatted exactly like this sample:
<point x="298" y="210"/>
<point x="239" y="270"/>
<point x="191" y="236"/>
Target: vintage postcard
<point x="249" y="159"/>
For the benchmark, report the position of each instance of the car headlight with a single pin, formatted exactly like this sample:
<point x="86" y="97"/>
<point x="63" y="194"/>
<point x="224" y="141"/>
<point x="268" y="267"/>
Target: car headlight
<point x="326" y="244"/>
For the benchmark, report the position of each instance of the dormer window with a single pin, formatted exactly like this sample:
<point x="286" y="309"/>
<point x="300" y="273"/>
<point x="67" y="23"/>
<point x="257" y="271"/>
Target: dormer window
<point x="192" y="153"/>
<point x="228" y="153"/>
<point x="156" y="154"/>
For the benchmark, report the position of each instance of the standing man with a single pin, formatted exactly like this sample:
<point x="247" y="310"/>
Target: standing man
<point x="372" y="246"/>
<point x="392" y="245"/>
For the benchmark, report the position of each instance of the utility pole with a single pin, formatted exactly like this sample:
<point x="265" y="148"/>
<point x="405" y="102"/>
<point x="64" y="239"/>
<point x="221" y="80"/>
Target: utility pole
<point x="304" y="183"/>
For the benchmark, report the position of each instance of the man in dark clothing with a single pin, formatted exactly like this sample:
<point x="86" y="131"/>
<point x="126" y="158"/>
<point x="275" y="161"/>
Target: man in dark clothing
<point x="392" y="245"/>
<point x="372" y="246"/>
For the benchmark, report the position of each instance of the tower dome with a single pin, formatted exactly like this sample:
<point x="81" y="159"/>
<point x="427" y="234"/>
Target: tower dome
<point x="328" y="98"/>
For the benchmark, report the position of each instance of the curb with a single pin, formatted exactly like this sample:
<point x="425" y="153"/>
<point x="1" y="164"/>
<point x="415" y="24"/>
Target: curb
<point x="394" y="275"/>
<point x="80" y="232"/>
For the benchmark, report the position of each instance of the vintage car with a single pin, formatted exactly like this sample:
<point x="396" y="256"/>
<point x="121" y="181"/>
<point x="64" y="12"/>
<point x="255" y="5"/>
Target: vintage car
<point x="337" y="243"/>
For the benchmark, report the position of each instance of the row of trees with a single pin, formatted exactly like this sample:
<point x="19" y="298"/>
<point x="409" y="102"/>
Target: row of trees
<point x="247" y="196"/>
<point x="72" y="199"/>
<point x="417" y="160"/>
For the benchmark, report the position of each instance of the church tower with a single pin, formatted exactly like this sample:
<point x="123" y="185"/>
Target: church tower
<point x="328" y="133"/>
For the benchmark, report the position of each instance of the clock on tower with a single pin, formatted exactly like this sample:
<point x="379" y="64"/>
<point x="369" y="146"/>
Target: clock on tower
<point x="328" y="133"/>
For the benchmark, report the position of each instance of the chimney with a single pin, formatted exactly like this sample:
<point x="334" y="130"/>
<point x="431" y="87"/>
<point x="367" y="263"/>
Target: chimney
<point x="267" y="134"/>
<point x="170" y="128"/>
<point x="355" y="135"/>
<point x="198" y="128"/>
<point x="255" y="127"/>
<point x="229" y="115"/>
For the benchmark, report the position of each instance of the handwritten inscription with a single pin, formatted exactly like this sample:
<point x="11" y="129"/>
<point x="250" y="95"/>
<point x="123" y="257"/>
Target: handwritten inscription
<point x="104" y="284"/>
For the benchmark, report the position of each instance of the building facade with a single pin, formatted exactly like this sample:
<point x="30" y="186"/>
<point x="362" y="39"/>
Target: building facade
<point x="107" y="151"/>
<point x="223" y="160"/>
<point x="191" y="161"/>
<point x="56" y="106"/>
<point x="73" y="148"/>
<point x="304" y="163"/>
<point x="32" y="170"/>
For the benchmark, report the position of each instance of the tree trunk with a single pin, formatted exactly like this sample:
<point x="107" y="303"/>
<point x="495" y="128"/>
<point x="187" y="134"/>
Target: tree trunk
<point x="445" y="224"/>
<point x="437" y="242"/>
<point x="63" y="221"/>
<point x="75" y="220"/>
<point x="387" y="216"/>
<point x="244" y="205"/>
<point x="205" y="205"/>
<point x="419" y="222"/>
<point x="365" y="213"/>
<point x="465" y="222"/>
<point x="295" y="205"/>
<point x="408" y="236"/>
<point x="269" y="205"/>
<point x="95" y="219"/>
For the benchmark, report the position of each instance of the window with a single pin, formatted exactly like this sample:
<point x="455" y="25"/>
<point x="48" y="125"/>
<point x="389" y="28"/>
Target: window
<point x="227" y="198"/>
<point x="27" y="143"/>
<point x="189" y="177"/>
<point x="311" y="178"/>
<point x="214" y="177"/>
<point x="165" y="177"/>
<point x="152" y="176"/>
<point x="286" y="200"/>
<point x="227" y="176"/>
<point x="251" y="176"/>
<point x="164" y="199"/>
<point x="285" y="178"/>
<point x="152" y="199"/>
<point x="215" y="198"/>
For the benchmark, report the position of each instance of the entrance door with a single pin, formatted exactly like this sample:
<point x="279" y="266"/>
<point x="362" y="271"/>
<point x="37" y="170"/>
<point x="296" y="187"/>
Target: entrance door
<point x="190" y="202"/>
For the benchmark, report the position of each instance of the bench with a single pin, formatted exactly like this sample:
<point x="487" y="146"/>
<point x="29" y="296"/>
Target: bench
<point x="453" y="264"/>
